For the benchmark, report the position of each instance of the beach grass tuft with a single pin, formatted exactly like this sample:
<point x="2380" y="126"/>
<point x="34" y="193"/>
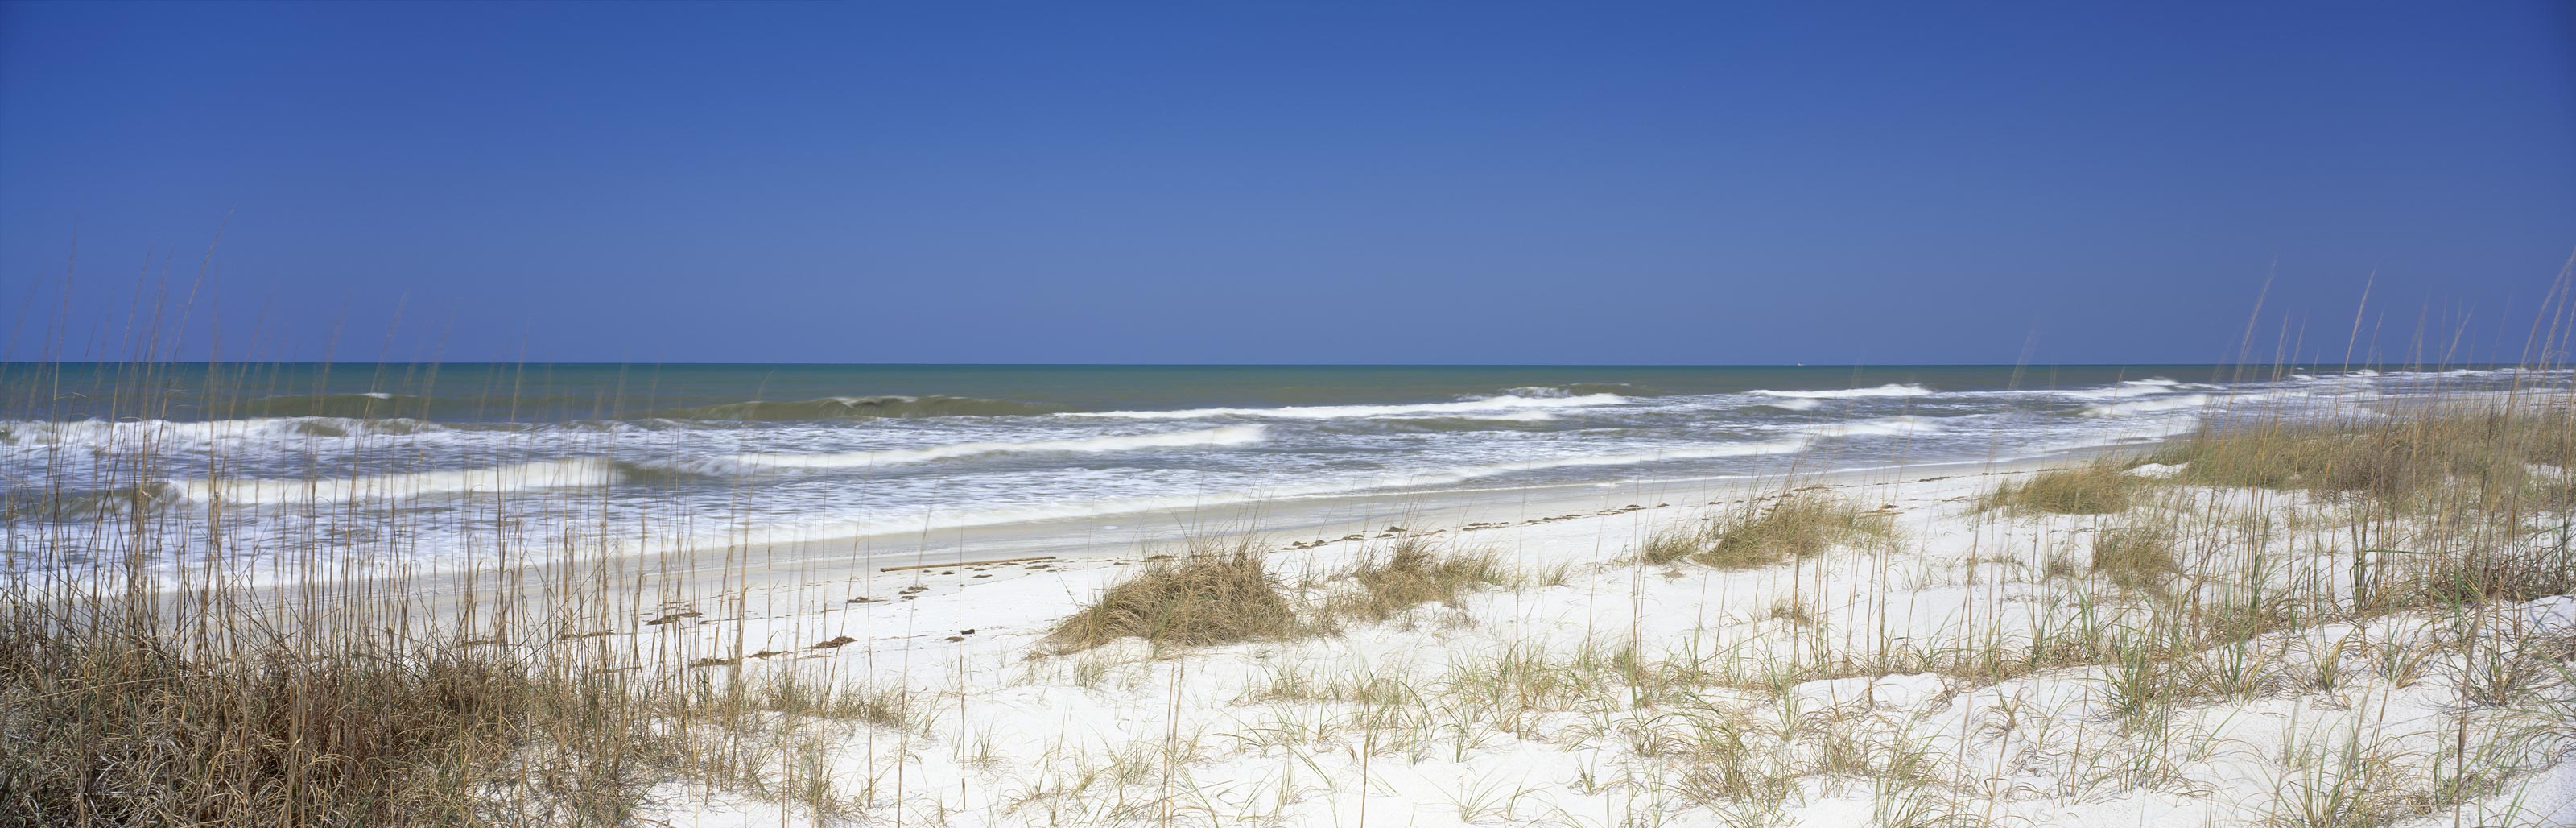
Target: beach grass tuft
<point x="2099" y="488"/>
<point x="1412" y="572"/>
<point x="1218" y="593"/>
<point x="1794" y="525"/>
<point x="2135" y="556"/>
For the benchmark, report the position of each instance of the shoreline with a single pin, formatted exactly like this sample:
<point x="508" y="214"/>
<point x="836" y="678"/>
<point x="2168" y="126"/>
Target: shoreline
<point x="1316" y="521"/>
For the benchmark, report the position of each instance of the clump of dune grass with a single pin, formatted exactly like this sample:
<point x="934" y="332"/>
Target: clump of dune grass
<point x="1413" y="572"/>
<point x="1796" y="525"/>
<point x="1213" y="595"/>
<point x="2135" y="556"/>
<point x="2101" y="487"/>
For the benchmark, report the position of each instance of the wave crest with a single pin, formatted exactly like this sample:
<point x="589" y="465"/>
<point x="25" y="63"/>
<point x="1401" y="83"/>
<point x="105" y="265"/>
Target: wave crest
<point x="1706" y="452"/>
<point x="578" y="472"/>
<point x="146" y="433"/>
<point x="1881" y="427"/>
<point x="1225" y="436"/>
<point x="2145" y="406"/>
<point x="1502" y="404"/>
<point x="365" y="404"/>
<point x="1888" y="390"/>
<point x="849" y="408"/>
<point x="2134" y="388"/>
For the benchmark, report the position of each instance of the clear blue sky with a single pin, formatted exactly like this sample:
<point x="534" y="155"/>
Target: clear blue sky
<point x="1257" y="182"/>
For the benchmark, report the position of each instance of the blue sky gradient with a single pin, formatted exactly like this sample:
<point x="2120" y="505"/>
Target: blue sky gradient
<point x="1408" y="183"/>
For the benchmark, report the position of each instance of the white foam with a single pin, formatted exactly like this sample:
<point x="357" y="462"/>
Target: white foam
<point x="545" y="474"/>
<point x="2130" y="432"/>
<point x="1782" y="446"/>
<point x="1881" y="427"/>
<point x="769" y="530"/>
<point x="1506" y="402"/>
<point x="1889" y="390"/>
<point x="1223" y="436"/>
<point x="2155" y="404"/>
<point x="151" y="434"/>
<point x="1532" y="415"/>
<point x="2157" y="471"/>
<point x="1793" y="404"/>
<point x="2135" y="388"/>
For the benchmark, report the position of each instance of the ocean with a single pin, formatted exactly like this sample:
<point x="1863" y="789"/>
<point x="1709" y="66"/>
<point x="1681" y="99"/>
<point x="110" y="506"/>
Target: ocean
<point x="422" y="464"/>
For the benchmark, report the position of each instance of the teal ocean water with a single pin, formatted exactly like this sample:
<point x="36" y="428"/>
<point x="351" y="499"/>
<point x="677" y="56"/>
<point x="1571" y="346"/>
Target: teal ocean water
<point x="427" y="462"/>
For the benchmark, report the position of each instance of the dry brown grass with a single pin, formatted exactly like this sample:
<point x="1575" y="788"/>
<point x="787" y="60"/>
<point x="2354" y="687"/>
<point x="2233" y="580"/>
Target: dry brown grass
<point x="1213" y="595"/>
<point x="2135" y="556"/>
<point x="2099" y="488"/>
<point x="1799" y="524"/>
<point x="2405" y="460"/>
<point x="108" y="727"/>
<point x="1793" y="611"/>
<point x="1673" y="544"/>
<point x="1413" y="572"/>
<point x="2481" y="576"/>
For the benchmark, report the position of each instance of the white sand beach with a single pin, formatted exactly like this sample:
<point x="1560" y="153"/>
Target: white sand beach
<point x="1899" y="680"/>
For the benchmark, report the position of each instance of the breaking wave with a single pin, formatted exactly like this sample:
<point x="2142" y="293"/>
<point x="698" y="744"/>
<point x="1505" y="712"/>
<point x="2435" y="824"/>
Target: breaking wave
<point x="1780" y="446"/>
<point x="2134" y="388"/>
<point x="147" y="433"/>
<point x="848" y="408"/>
<point x="1226" y="436"/>
<point x="2154" y="404"/>
<point x="1503" y="404"/>
<point x="545" y="474"/>
<point x="1881" y="427"/>
<point x="368" y="404"/>
<point x="1889" y="390"/>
